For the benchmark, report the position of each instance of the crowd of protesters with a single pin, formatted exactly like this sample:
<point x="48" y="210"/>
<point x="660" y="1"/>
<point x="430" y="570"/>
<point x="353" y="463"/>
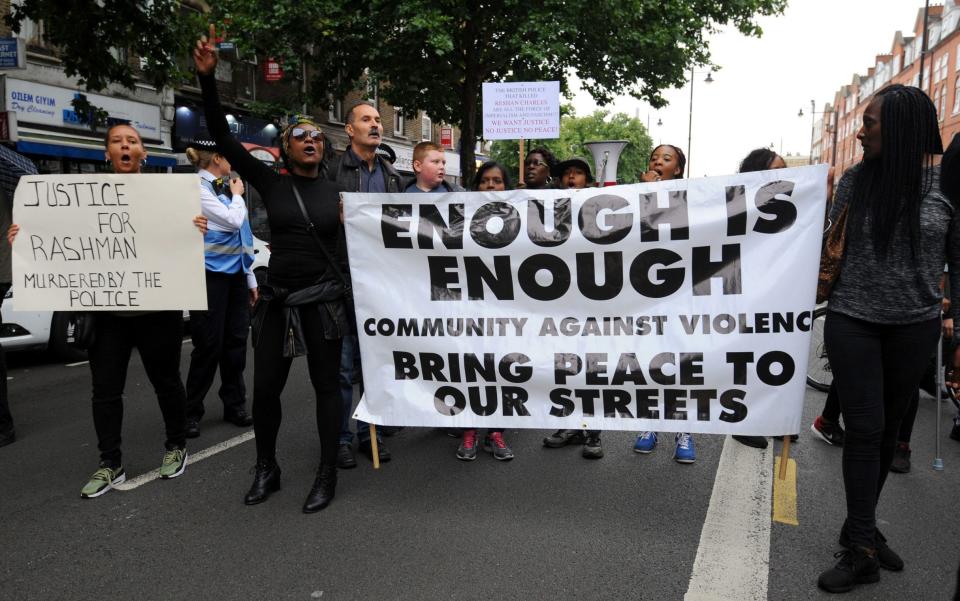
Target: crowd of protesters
<point x="885" y="310"/>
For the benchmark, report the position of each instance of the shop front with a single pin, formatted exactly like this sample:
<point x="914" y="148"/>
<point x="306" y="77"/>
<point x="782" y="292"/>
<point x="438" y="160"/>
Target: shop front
<point x="51" y="134"/>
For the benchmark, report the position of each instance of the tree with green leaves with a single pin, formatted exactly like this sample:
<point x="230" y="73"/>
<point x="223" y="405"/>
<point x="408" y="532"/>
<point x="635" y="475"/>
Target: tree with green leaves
<point x="89" y="34"/>
<point x="434" y="55"/>
<point x="575" y="131"/>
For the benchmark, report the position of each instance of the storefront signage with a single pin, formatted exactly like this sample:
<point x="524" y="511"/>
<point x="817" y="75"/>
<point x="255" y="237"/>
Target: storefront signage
<point x="13" y="53"/>
<point x="37" y="103"/>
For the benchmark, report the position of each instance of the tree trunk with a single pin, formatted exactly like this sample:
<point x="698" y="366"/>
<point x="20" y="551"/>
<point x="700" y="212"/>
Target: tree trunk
<point x="468" y="127"/>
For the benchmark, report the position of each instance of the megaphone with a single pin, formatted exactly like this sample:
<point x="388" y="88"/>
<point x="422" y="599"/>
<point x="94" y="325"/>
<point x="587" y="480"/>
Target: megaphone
<point x="606" y="155"/>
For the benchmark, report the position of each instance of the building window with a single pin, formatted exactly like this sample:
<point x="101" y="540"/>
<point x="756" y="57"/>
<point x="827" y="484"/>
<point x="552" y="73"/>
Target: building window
<point x="335" y="111"/>
<point x="426" y="129"/>
<point x="398" y="121"/>
<point x="956" y="96"/>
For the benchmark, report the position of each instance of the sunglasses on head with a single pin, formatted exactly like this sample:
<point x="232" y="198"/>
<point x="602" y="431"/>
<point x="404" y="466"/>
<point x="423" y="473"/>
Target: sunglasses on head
<point x="300" y="134"/>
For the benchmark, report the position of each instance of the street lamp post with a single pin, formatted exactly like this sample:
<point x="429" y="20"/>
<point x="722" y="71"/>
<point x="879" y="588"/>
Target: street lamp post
<point x="813" y="123"/>
<point x="708" y="79"/>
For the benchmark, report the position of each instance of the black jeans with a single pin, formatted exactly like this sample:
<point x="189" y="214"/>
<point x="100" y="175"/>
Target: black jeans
<point x="158" y="336"/>
<point x="220" y="340"/>
<point x="878" y="368"/>
<point x="270" y="371"/>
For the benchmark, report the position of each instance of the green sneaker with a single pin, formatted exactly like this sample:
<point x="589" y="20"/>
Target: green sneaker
<point x="174" y="462"/>
<point x="102" y="481"/>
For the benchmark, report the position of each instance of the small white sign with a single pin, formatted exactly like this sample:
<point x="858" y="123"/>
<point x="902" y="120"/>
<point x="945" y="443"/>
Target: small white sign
<point x="521" y="110"/>
<point x="98" y="242"/>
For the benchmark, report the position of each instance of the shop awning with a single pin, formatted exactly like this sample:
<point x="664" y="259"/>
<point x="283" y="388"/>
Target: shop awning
<point x="12" y="166"/>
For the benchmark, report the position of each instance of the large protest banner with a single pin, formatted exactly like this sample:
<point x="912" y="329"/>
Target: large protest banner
<point x="683" y="305"/>
<point x="92" y="242"/>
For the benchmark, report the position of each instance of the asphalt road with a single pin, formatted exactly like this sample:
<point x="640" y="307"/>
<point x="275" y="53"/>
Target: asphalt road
<point x="548" y="525"/>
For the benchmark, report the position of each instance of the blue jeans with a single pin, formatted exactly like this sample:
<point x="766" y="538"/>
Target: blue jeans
<point x="350" y="357"/>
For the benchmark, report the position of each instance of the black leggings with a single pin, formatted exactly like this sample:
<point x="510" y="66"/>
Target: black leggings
<point x="270" y="371"/>
<point x="878" y="368"/>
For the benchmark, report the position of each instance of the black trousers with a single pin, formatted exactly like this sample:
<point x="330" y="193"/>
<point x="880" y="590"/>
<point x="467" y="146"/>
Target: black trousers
<point x="219" y="341"/>
<point x="158" y="336"/>
<point x="878" y="368"/>
<point x="270" y="371"/>
<point x="6" y="420"/>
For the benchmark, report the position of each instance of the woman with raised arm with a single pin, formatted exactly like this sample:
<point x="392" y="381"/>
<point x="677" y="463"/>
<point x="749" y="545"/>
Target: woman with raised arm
<point x="157" y="335"/>
<point x="301" y="311"/>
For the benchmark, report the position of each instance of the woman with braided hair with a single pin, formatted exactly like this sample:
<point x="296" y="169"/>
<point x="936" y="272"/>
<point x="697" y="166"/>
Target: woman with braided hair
<point x="883" y="319"/>
<point x="301" y="311"/>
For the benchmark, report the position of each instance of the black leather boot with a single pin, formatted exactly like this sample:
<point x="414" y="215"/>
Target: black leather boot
<point x="323" y="489"/>
<point x="266" y="479"/>
<point x="858" y="565"/>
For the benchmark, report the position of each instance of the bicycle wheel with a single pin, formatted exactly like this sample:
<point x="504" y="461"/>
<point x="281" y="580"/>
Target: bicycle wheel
<point x="819" y="374"/>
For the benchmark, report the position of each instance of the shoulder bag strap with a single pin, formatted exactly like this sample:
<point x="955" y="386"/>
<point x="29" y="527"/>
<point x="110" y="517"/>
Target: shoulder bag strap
<point x="313" y="232"/>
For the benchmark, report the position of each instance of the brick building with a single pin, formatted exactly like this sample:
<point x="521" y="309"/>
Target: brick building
<point x="836" y="143"/>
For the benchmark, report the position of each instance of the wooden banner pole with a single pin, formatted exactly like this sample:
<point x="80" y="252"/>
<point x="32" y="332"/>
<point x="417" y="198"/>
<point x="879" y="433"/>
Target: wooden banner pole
<point x="784" y="457"/>
<point x="374" y="447"/>
<point x="521" y="161"/>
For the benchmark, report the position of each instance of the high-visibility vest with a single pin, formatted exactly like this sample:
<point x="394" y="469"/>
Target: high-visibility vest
<point x="227" y="252"/>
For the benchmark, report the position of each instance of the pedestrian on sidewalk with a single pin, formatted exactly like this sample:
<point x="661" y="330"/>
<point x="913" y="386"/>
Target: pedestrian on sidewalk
<point x="220" y="333"/>
<point x="667" y="162"/>
<point x="302" y="311"/>
<point x="157" y="335"/>
<point x="883" y="317"/>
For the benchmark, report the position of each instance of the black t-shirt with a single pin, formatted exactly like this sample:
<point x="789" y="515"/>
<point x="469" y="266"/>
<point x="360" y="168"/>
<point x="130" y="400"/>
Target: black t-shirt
<point x="296" y="260"/>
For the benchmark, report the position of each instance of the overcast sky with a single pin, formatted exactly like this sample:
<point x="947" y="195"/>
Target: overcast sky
<point x="806" y="54"/>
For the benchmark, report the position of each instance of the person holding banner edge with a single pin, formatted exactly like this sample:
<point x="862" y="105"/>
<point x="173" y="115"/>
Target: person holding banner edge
<point x="666" y="162"/>
<point x="360" y="169"/>
<point x="220" y="333"/>
<point x="884" y="307"/>
<point x="303" y="310"/>
<point x="157" y="335"/>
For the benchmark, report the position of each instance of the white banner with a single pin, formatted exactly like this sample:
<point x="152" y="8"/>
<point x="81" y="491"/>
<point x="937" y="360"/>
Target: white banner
<point x="108" y="243"/>
<point x="675" y="306"/>
<point x="521" y="109"/>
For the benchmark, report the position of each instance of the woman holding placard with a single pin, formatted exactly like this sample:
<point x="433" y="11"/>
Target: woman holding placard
<point x="302" y="311"/>
<point x="666" y="162"/>
<point x="883" y="317"/>
<point x="157" y="335"/>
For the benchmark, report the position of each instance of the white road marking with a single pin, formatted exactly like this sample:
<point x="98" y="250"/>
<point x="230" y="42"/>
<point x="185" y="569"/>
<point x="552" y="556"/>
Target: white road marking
<point x="733" y="558"/>
<point x="77" y="363"/>
<point x="191" y="459"/>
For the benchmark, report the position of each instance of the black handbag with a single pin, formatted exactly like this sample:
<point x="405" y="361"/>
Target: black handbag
<point x="347" y="288"/>
<point x="81" y="332"/>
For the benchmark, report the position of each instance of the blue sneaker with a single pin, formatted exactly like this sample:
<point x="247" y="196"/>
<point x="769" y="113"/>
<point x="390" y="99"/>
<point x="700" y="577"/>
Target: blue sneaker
<point x="646" y="443"/>
<point x="685" y="452"/>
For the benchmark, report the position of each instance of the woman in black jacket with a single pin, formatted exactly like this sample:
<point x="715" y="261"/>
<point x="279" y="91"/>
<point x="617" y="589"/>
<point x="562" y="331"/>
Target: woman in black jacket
<point x="300" y="311"/>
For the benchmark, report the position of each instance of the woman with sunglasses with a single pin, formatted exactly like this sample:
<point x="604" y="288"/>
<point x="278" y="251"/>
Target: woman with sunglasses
<point x="297" y="300"/>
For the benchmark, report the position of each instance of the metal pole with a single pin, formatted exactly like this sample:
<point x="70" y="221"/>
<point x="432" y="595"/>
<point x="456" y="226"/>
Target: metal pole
<point x="923" y="48"/>
<point x="813" y="124"/>
<point x="938" y="459"/>
<point x="690" y="127"/>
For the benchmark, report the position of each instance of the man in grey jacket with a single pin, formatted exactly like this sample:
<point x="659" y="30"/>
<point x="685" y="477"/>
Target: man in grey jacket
<point x="360" y="169"/>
